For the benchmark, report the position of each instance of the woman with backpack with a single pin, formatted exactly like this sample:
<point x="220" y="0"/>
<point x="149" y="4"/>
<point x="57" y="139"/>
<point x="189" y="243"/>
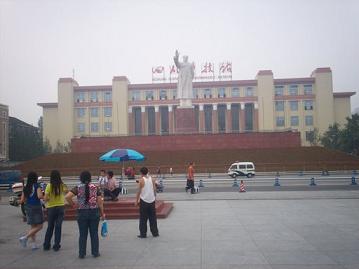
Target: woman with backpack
<point x="55" y="204"/>
<point x="31" y="196"/>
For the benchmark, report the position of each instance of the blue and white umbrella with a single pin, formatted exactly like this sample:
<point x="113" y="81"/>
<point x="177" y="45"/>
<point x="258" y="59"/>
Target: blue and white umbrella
<point x="122" y="155"/>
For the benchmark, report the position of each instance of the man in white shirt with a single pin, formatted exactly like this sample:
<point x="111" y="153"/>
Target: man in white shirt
<point x="146" y="198"/>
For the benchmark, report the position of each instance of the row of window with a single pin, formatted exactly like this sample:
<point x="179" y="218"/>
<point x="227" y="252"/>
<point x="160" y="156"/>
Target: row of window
<point x="93" y="96"/>
<point x="293" y="90"/>
<point x="206" y="93"/>
<point x="307" y="105"/>
<point x="94" y="112"/>
<point x="294" y="121"/>
<point x="81" y="127"/>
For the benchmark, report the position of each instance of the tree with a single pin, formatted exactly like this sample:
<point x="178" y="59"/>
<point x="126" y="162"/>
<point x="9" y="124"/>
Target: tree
<point x="332" y="138"/>
<point x="313" y="137"/>
<point x="61" y="148"/>
<point x="350" y="135"/>
<point x="46" y="146"/>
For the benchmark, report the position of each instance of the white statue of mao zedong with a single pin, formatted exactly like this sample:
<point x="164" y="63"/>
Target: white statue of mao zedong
<point x="185" y="77"/>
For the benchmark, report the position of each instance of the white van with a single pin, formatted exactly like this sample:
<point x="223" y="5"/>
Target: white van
<point x="242" y="169"/>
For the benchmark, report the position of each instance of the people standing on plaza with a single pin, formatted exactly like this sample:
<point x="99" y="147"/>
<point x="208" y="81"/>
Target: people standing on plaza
<point x="159" y="171"/>
<point x="55" y="203"/>
<point x="190" y="178"/>
<point x="89" y="209"/>
<point x="111" y="190"/>
<point x="146" y="199"/>
<point x="171" y="171"/>
<point x="31" y="196"/>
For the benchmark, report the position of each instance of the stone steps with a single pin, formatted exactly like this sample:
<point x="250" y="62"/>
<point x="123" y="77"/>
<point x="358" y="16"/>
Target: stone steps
<point x="124" y="209"/>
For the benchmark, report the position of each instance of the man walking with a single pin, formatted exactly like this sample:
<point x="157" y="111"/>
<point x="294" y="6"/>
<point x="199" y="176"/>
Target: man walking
<point x="190" y="178"/>
<point x="146" y="197"/>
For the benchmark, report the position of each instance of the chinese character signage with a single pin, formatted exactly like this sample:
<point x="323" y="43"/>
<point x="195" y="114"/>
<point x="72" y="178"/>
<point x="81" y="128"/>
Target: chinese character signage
<point x="205" y="72"/>
<point x="158" y="73"/>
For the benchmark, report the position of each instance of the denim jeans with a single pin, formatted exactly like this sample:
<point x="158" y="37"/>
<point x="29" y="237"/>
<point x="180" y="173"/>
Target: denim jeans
<point x="88" y="221"/>
<point x="55" y="216"/>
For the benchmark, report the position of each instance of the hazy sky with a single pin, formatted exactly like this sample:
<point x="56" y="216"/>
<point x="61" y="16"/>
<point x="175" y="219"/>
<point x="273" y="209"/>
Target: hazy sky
<point x="41" y="41"/>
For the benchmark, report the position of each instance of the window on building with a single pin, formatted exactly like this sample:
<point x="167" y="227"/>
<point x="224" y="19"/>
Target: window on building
<point x="294" y="121"/>
<point x="280" y="121"/>
<point x="81" y="127"/>
<point x="80" y="97"/>
<point x="138" y="120"/>
<point x="94" y="112"/>
<point x="163" y="95"/>
<point x="278" y="90"/>
<point x="235" y="92"/>
<point x="309" y="120"/>
<point x="94" y="127"/>
<point x="149" y="95"/>
<point x="207" y="93"/>
<point x="107" y="97"/>
<point x="81" y="112"/>
<point x="108" y="127"/>
<point x="221" y="113"/>
<point x="279" y="105"/>
<point x="293" y="105"/>
<point x="308" y="89"/>
<point x="293" y="90"/>
<point x="107" y="111"/>
<point x="195" y="93"/>
<point x="135" y="95"/>
<point x="221" y="92"/>
<point x="208" y="118"/>
<point x="174" y="94"/>
<point x="308" y="105"/>
<point x="249" y="91"/>
<point x="93" y="96"/>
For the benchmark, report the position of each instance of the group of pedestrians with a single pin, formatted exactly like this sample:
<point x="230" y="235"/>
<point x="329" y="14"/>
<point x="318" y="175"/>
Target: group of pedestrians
<point x="90" y="208"/>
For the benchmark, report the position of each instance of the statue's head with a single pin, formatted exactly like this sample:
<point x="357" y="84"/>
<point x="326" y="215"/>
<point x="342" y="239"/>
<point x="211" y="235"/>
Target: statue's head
<point x="185" y="58"/>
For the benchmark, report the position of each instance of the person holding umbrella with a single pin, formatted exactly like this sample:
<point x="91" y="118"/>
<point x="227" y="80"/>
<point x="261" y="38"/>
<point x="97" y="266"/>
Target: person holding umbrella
<point x="146" y="199"/>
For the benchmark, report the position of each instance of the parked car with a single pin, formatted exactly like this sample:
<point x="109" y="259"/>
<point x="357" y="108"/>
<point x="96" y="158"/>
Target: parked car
<point x="242" y="169"/>
<point x="9" y="177"/>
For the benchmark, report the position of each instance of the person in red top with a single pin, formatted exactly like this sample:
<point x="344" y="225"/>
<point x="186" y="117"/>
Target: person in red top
<point x="190" y="178"/>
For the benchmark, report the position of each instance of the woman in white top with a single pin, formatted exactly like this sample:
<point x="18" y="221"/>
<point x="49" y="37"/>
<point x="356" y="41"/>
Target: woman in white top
<point x="146" y="198"/>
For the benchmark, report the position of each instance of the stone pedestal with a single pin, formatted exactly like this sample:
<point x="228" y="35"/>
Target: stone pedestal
<point x="185" y="120"/>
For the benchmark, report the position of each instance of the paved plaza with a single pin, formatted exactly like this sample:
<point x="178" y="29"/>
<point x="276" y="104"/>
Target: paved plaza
<point x="318" y="229"/>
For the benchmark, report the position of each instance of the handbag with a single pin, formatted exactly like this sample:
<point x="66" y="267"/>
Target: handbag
<point x="104" y="228"/>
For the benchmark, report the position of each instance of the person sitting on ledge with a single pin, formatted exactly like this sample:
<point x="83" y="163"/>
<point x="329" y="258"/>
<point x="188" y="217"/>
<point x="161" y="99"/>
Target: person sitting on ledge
<point x="111" y="190"/>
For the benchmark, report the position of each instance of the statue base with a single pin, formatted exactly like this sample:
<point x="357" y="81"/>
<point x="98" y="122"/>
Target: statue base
<point x="185" y="122"/>
<point x="186" y="103"/>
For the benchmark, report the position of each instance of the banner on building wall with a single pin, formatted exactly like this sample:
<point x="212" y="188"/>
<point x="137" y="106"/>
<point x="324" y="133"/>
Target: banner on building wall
<point x="205" y="72"/>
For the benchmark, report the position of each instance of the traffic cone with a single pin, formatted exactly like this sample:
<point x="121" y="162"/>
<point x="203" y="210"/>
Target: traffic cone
<point x="242" y="188"/>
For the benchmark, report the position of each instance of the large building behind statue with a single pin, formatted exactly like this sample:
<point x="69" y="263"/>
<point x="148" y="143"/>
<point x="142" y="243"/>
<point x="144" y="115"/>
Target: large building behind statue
<point x="263" y="104"/>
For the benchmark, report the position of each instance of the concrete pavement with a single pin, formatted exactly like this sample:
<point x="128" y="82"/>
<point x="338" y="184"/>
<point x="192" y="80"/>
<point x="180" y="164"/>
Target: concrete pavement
<point x="213" y="230"/>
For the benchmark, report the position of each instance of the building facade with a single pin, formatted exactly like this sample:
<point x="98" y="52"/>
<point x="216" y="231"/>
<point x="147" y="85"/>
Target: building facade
<point x="263" y="104"/>
<point x="4" y="132"/>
